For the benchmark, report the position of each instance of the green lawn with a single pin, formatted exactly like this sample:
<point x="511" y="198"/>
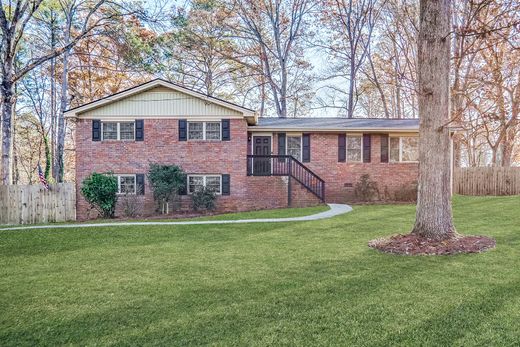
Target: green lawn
<point x="274" y="213"/>
<point x="305" y="283"/>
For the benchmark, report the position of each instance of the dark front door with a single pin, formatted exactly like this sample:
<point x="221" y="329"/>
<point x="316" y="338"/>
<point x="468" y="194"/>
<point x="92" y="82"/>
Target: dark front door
<point x="261" y="146"/>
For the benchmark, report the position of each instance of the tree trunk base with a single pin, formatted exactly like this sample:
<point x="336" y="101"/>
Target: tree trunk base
<point x="415" y="244"/>
<point x="438" y="233"/>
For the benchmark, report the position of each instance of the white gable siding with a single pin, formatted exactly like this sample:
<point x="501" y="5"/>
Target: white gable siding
<point x="161" y="102"/>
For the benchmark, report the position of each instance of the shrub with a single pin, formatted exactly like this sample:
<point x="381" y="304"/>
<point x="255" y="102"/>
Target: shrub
<point x="166" y="181"/>
<point x="100" y="191"/>
<point x="366" y="189"/>
<point x="203" y="199"/>
<point x="407" y="192"/>
<point x="132" y="204"/>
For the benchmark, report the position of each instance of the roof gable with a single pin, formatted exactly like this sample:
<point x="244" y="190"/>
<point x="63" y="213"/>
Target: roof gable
<point x="159" y="98"/>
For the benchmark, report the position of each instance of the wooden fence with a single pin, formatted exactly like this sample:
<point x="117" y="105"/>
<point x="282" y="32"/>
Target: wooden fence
<point x="34" y="204"/>
<point x="487" y="181"/>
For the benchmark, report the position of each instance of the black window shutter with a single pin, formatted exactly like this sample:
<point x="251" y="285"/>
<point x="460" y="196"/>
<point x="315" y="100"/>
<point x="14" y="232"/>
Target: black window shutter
<point x="183" y="190"/>
<point x="139" y="130"/>
<point x="342" y="148"/>
<point x="384" y="148"/>
<point x="226" y="184"/>
<point x="366" y="148"/>
<point x="226" y="130"/>
<point x="281" y="143"/>
<point x="139" y="183"/>
<point x="96" y="130"/>
<point x="183" y="130"/>
<point x="306" y="150"/>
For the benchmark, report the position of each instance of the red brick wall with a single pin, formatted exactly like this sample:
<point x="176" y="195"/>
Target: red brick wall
<point x="161" y="145"/>
<point x="390" y="177"/>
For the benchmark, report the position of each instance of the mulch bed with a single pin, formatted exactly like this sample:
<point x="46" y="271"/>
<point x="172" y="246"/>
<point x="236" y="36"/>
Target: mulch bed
<point x="411" y="244"/>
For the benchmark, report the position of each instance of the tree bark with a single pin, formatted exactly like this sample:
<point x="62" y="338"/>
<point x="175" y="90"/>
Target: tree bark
<point x="60" y="141"/>
<point x="434" y="214"/>
<point x="7" y="92"/>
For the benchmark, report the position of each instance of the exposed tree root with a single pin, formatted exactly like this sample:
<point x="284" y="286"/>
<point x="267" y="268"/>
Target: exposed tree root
<point x="412" y="244"/>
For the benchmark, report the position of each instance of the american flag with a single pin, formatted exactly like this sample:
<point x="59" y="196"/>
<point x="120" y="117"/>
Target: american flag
<point x="41" y="176"/>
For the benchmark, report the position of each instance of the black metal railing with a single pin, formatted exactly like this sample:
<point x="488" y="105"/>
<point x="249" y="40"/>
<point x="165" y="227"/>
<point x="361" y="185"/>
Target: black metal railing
<point x="286" y="165"/>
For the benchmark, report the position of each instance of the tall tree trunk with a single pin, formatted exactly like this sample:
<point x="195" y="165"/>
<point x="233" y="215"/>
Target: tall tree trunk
<point x="351" y="87"/>
<point x="7" y="93"/>
<point x="434" y="214"/>
<point x="378" y="86"/>
<point x="53" y="99"/>
<point x="60" y="160"/>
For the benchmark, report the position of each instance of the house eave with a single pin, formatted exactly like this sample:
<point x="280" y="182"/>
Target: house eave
<point x="331" y="130"/>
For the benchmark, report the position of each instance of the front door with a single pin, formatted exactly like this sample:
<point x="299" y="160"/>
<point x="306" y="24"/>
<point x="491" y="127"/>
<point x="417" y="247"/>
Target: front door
<point x="262" y="146"/>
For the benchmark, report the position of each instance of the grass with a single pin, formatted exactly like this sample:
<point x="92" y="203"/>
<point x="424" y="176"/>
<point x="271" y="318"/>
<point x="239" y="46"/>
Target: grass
<point x="306" y="283"/>
<point x="274" y="213"/>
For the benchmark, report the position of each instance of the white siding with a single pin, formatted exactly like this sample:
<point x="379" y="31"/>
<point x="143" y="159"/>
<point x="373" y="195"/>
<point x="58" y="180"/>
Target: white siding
<point x="161" y="102"/>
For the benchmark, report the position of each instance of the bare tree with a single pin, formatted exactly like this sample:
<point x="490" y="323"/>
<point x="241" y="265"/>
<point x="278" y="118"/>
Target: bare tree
<point x="350" y="24"/>
<point x="434" y="214"/>
<point x="272" y="32"/>
<point x="14" y="21"/>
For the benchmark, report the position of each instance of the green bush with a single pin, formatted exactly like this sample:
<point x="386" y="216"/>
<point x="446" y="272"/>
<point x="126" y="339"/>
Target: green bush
<point x="100" y="191"/>
<point x="203" y="199"/>
<point x="366" y="189"/>
<point x="166" y="182"/>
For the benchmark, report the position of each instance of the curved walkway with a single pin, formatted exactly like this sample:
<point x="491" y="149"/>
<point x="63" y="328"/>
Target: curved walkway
<point x="335" y="210"/>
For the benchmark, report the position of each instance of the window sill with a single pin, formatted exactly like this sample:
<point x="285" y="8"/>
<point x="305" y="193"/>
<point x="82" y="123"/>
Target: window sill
<point x="110" y="141"/>
<point x="204" y="140"/>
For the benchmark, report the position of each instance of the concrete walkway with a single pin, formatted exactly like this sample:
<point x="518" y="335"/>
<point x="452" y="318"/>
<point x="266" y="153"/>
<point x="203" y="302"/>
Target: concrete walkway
<point x="335" y="210"/>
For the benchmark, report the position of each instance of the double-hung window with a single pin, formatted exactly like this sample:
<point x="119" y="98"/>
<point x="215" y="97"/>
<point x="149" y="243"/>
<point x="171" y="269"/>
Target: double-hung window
<point x="294" y="146"/>
<point x="212" y="182"/>
<point x="204" y="131"/>
<point x="404" y="149"/>
<point x="126" y="184"/>
<point x="118" y="130"/>
<point x="354" y="144"/>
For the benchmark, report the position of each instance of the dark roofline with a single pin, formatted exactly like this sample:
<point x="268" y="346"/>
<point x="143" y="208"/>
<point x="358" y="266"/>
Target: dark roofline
<point x="337" y="117"/>
<point x="162" y="80"/>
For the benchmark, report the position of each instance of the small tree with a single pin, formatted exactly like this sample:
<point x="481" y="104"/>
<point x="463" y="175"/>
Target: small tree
<point x="166" y="181"/>
<point x="100" y="191"/>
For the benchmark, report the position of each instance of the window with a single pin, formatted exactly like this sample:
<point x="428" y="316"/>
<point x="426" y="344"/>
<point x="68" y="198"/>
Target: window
<point x="126" y="131"/>
<point x="404" y="149"/>
<point x="118" y="130"/>
<point x="126" y="184"/>
<point x="195" y="131"/>
<point x="294" y="146"/>
<point x="109" y="131"/>
<point x="354" y="148"/>
<point x="213" y="182"/>
<point x="204" y="131"/>
<point x="212" y="130"/>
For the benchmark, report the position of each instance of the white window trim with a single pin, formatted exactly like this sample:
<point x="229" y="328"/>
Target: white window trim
<point x="204" y="177"/>
<point x="119" y="183"/>
<point x="346" y="148"/>
<point x="301" y="144"/>
<point x="118" y="131"/>
<point x="400" y="151"/>
<point x="204" y="130"/>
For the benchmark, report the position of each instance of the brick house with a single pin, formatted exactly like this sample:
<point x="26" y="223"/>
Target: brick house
<point x="251" y="163"/>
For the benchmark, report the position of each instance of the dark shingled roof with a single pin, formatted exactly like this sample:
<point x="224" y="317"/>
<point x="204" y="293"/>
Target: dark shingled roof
<point x="336" y="123"/>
